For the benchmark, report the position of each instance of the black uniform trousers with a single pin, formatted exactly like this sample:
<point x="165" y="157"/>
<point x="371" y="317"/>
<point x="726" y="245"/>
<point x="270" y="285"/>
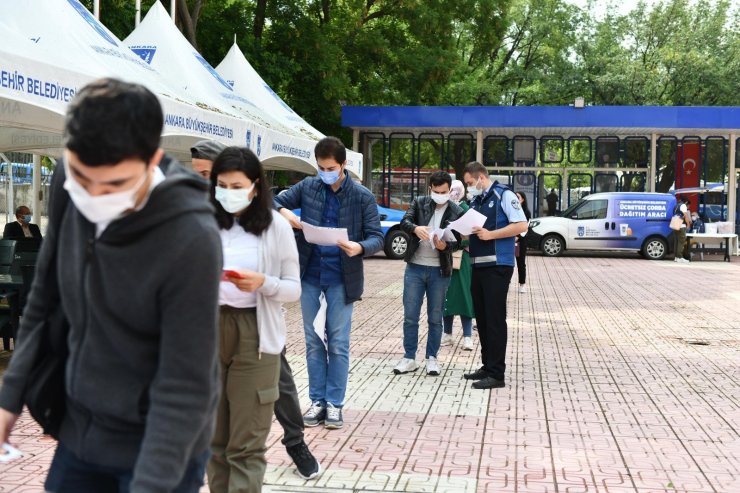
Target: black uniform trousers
<point x="490" y="287"/>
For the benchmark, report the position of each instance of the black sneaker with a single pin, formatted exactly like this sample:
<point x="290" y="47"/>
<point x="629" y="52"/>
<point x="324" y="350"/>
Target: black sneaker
<point x="306" y="464"/>
<point x="478" y="374"/>
<point x="488" y="383"/>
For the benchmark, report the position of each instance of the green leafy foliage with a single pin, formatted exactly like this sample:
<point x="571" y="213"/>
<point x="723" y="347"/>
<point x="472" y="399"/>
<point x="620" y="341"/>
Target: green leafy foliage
<point x="321" y="54"/>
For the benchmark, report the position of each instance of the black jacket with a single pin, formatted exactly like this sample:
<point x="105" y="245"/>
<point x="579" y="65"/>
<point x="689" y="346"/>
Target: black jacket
<point x="14" y="231"/>
<point x="420" y="213"/>
<point x="142" y="305"/>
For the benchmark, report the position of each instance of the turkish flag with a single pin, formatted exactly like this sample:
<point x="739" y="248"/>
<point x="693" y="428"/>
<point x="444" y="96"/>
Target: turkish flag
<point x="689" y="167"/>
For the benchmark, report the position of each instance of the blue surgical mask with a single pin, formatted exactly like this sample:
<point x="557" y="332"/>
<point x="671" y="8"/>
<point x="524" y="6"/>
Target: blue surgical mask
<point x="28" y="218"/>
<point x="329" y="177"/>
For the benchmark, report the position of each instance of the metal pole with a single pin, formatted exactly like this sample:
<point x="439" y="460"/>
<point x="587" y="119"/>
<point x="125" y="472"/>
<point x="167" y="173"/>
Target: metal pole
<point x="96" y="9"/>
<point x="732" y="187"/>
<point x="138" y="12"/>
<point x="173" y="6"/>
<point x="36" y="190"/>
<point x="653" y="161"/>
<point x="478" y="149"/>
<point x="9" y="171"/>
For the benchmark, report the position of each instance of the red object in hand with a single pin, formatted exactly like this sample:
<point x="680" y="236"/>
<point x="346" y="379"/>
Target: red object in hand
<point x="231" y="273"/>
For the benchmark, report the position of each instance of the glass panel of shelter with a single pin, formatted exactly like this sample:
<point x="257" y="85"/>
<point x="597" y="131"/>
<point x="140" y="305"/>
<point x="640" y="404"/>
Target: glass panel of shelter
<point x="430" y="158"/>
<point x="401" y="176"/>
<point x="714" y="204"/>
<point x="373" y="147"/>
<point x="400" y="164"/>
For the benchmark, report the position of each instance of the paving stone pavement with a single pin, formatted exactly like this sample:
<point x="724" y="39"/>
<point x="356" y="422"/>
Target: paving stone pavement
<point x="623" y="376"/>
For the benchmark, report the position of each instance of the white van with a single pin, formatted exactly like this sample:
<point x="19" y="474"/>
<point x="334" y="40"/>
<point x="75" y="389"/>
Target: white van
<point x="628" y="221"/>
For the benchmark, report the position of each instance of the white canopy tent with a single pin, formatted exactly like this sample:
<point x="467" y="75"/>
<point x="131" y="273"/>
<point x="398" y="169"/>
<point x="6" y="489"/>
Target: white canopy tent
<point x="158" y="41"/>
<point x="50" y="49"/>
<point x="248" y="84"/>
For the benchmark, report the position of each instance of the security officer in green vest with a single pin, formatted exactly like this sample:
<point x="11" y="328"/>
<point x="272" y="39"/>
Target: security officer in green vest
<point x="492" y="259"/>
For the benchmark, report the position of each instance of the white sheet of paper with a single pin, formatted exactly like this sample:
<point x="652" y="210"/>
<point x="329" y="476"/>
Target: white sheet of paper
<point x="319" y="322"/>
<point x="319" y="235"/>
<point x="442" y="234"/>
<point x="8" y="453"/>
<point x="465" y="224"/>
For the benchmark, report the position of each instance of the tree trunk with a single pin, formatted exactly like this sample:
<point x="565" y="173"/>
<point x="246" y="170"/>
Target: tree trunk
<point x="325" y="11"/>
<point x="188" y="20"/>
<point x="259" y="19"/>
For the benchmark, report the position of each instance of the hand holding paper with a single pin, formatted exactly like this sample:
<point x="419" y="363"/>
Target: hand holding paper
<point x="465" y="224"/>
<point x="319" y="235"/>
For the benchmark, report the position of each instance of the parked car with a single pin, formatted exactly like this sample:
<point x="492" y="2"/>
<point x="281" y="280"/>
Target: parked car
<point x="396" y="240"/>
<point x="610" y="221"/>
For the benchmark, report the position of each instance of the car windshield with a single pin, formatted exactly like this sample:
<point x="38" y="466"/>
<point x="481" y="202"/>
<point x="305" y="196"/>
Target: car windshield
<point x="569" y="211"/>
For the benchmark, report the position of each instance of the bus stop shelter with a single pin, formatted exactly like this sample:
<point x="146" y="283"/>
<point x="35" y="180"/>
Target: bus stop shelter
<point x="574" y="150"/>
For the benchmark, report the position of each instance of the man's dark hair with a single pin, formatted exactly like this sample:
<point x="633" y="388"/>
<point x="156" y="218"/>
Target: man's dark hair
<point x="330" y="147"/>
<point x="110" y="120"/>
<point x="20" y="208"/>
<point x="440" y="178"/>
<point x="475" y="169"/>
<point x="257" y="217"/>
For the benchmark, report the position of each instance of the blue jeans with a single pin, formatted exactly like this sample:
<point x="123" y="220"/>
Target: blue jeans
<point x="69" y="474"/>
<point x="467" y="325"/>
<point x="417" y="281"/>
<point x="327" y="372"/>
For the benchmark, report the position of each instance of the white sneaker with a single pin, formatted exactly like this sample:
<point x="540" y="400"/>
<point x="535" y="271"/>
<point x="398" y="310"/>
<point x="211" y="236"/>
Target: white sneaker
<point x="404" y="366"/>
<point x="446" y="339"/>
<point x="468" y="343"/>
<point x="433" y="366"/>
<point x="522" y="289"/>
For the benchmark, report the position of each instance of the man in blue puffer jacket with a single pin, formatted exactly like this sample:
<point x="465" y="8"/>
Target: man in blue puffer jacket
<point x="333" y="272"/>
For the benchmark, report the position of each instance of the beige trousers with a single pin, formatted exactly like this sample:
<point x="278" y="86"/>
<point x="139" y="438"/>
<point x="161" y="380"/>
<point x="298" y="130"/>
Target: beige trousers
<point x="249" y="389"/>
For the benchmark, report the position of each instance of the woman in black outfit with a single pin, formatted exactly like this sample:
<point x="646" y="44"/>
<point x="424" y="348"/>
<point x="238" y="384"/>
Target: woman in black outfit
<point x="521" y="258"/>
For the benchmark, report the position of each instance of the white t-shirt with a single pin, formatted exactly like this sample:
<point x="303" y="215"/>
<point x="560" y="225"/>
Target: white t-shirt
<point x="427" y="254"/>
<point x="683" y="210"/>
<point x="241" y="252"/>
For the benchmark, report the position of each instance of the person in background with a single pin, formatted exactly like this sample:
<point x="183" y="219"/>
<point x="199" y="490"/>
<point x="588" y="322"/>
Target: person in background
<point x="331" y="276"/>
<point x="459" y="300"/>
<point x="492" y="258"/>
<point x="552" y="202"/>
<point x="697" y="225"/>
<point x="521" y="258"/>
<point x="287" y="407"/>
<point x="261" y="272"/>
<point x="679" y="237"/>
<point x="428" y="269"/>
<point x="120" y="264"/>
<point x="203" y="154"/>
<point x="22" y="226"/>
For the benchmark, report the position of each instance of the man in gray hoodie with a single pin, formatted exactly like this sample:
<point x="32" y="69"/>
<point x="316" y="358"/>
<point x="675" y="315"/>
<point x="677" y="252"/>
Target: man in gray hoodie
<point x="134" y="261"/>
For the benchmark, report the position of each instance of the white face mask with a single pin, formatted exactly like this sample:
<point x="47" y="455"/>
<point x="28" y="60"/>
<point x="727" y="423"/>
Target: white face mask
<point x="101" y="208"/>
<point x="440" y="198"/>
<point x="473" y="190"/>
<point x="235" y="199"/>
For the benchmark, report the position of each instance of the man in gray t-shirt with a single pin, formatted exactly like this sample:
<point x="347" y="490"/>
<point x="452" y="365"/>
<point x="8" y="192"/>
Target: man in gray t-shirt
<point x="428" y="269"/>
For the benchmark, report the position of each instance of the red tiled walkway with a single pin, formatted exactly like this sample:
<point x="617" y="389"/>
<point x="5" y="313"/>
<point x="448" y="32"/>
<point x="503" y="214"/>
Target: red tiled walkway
<point x="624" y="376"/>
